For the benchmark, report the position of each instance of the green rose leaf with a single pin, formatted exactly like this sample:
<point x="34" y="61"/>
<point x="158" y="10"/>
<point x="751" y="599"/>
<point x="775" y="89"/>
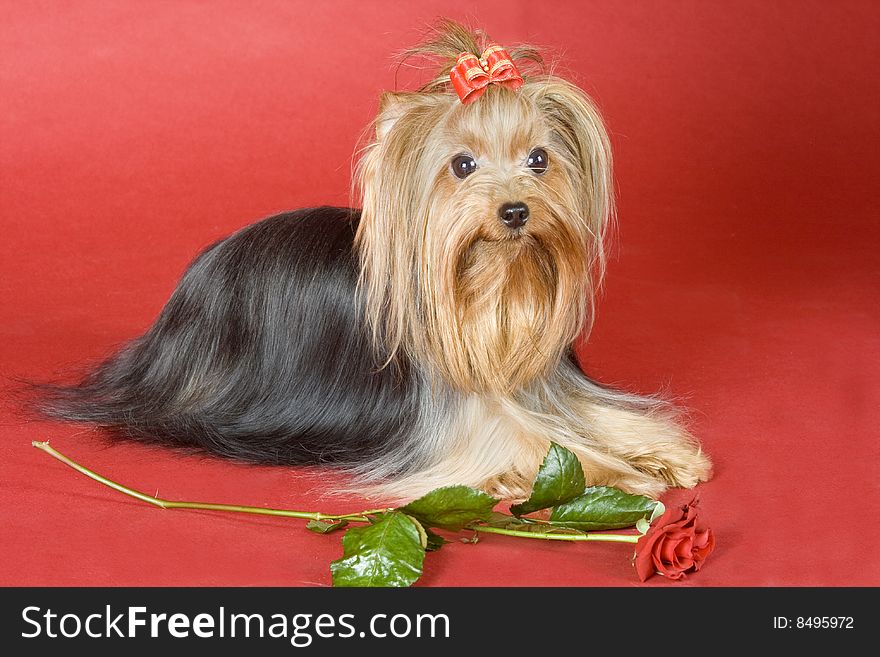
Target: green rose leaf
<point x="451" y="507"/>
<point x="321" y="527"/>
<point x="504" y="521"/>
<point x="560" y="479"/>
<point x="602" y="507"/>
<point x="435" y="541"/>
<point x="387" y="553"/>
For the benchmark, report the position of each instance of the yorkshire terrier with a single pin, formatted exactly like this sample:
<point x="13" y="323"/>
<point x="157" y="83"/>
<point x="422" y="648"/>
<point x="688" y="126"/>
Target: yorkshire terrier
<point x="426" y="339"/>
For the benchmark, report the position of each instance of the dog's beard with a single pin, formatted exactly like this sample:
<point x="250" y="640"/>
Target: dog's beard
<point x="515" y="304"/>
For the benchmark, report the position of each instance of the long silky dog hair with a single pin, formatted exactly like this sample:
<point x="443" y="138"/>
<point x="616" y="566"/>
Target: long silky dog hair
<point x="420" y="341"/>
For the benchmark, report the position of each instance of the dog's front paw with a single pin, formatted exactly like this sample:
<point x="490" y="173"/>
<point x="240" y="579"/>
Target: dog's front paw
<point x="683" y="465"/>
<point x="510" y="486"/>
<point x="654" y="473"/>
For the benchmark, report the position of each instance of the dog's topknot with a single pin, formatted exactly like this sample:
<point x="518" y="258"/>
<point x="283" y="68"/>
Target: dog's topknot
<point x="447" y="39"/>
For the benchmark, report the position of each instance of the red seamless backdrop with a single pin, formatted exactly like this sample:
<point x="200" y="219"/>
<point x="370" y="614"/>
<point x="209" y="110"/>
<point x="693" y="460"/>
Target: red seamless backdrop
<point x="744" y="280"/>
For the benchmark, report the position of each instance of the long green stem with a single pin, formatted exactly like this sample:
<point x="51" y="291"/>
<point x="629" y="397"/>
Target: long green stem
<point x="614" y="538"/>
<point x="360" y="516"/>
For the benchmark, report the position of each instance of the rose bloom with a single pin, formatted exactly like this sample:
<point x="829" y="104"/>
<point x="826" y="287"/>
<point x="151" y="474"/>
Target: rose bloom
<point x="674" y="545"/>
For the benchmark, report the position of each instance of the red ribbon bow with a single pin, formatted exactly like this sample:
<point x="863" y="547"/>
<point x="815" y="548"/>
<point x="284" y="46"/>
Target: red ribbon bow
<point x="470" y="76"/>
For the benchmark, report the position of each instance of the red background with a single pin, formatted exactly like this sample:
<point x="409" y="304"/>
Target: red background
<point x="744" y="280"/>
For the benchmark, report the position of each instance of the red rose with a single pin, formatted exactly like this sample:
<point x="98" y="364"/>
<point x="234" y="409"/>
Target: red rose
<point x="674" y="545"/>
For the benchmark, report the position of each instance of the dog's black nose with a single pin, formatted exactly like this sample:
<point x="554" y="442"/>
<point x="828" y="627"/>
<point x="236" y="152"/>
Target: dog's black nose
<point x="514" y="215"/>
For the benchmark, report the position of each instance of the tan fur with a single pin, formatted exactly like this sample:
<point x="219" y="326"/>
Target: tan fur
<point x="489" y="315"/>
<point x="498" y="443"/>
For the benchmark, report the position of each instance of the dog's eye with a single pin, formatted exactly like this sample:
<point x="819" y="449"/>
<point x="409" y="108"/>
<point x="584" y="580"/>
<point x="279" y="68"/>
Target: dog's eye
<point x="537" y="161"/>
<point x="463" y="165"/>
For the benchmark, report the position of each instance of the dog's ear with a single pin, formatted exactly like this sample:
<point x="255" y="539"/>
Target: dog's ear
<point x="394" y="104"/>
<point x="580" y="132"/>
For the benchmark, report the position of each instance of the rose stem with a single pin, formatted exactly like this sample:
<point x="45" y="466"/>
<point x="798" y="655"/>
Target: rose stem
<point x="615" y="538"/>
<point x="307" y="515"/>
<point x="169" y="504"/>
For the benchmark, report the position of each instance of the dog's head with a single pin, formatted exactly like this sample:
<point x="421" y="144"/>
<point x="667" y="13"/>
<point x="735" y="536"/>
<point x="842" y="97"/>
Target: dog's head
<point x="482" y="227"/>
